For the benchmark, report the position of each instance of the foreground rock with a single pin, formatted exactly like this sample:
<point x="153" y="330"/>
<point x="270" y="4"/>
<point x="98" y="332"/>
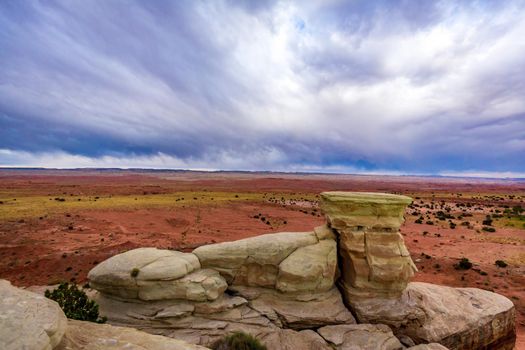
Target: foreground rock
<point x="82" y="335"/>
<point x="29" y="320"/>
<point x="361" y="336"/>
<point x="261" y="312"/>
<point x="458" y="318"/>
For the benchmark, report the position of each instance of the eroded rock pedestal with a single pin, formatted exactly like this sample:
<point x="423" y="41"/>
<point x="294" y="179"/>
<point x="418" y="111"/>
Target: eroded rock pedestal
<point x="376" y="268"/>
<point x="374" y="260"/>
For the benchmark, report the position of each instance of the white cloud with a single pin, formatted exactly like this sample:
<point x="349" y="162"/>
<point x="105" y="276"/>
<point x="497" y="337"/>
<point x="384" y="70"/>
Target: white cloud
<point x="283" y="85"/>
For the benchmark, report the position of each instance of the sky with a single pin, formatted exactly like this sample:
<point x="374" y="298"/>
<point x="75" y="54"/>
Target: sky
<point x="394" y="87"/>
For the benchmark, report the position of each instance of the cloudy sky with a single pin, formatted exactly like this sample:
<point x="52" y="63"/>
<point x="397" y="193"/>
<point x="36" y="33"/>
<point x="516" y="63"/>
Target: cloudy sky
<point x="430" y="87"/>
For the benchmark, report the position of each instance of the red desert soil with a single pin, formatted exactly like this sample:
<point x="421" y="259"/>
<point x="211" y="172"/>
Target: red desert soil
<point x="44" y="240"/>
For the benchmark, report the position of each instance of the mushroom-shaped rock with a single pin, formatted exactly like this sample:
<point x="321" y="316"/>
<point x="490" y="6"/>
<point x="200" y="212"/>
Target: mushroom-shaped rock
<point x="29" y="320"/>
<point x="253" y="261"/>
<point x="374" y="258"/>
<point x="154" y="274"/>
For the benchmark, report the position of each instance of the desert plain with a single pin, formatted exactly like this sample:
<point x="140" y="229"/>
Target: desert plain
<point x="55" y="225"/>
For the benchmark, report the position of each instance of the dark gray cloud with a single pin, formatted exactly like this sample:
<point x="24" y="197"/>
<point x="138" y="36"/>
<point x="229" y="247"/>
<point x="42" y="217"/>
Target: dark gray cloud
<point x="408" y="86"/>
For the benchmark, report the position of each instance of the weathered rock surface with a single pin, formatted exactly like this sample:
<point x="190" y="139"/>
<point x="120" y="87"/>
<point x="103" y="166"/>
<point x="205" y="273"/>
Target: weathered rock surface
<point x="360" y="336"/>
<point x="374" y="258"/>
<point x="259" y="311"/>
<point x="317" y="310"/>
<point x="29" y="320"/>
<point x="253" y="261"/>
<point x="458" y="318"/>
<point x="431" y="346"/>
<point x="310" y="268"/>
<point x="154" y="274"/>
<point x="82" y="335"/>
<point x="200" y="285"/>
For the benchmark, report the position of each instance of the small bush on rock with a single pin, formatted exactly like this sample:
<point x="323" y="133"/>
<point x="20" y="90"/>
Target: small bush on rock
<point x="238" y="341"/>
<point x="75" y="303"/>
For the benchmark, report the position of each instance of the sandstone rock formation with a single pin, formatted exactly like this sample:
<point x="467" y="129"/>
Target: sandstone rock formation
<point x="374" y="258"/>
<point x="262" y="312"/>
<point x="153" y="274"/>
<point x="82" y="335"/>
<point x="31" y="321"/>
<point x="459" y="318"/>
<point x="361" y="336"/>
<point x="375" y="270"/>
<point x="281" y="288"/>
<point x="256" y="261"/>
<point x="28" y="320"/>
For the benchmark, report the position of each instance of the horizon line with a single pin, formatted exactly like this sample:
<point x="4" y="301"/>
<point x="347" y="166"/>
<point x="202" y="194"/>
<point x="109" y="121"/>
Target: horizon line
<point x="451" y="175"/>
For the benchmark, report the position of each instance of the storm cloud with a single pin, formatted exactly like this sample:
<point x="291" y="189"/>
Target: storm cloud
<point x="395" y="86"/>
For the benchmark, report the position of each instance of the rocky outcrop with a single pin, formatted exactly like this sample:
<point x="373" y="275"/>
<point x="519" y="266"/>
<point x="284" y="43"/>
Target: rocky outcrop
<point x="361" y="336"/>
<point x="281" y="289"/>
<point x="431" y="346"/>
<point x="310" y="268"/>
<point x="288" y="262"/>
<point x="299" y="311"/>
<point x="374" y="259"/>
<point x="82" y="335"/>
<point x="29" y="320"/>
<point x="262" y="312"/>
<point x="154" y="274"/>
<point x="459" y="318"/>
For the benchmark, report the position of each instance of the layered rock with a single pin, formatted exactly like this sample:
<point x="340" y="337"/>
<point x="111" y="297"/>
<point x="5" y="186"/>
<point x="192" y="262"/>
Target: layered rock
<point x="374" y="258"/>
<point x="282" y="285"/>
<point x="361" y="336"/>
<point x="29" y="320"/>
<point x="94" y="336"/>
<point x="310" y="268"/>
<point x="459" y="318"/>
<point x="258" y="311"/>
<point x="154" y="274"/>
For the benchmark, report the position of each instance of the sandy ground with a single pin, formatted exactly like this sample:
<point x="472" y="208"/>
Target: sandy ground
<point x="65" y="243"/>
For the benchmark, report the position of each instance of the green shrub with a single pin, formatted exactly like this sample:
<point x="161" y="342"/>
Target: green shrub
<point x="464" y="264"/>
<point x="488" y="229"/>
<point x="238" y="341"/>
<point x="134" y="272"/>
<point x="501" y="263"/>
<point x="75" y="303"/>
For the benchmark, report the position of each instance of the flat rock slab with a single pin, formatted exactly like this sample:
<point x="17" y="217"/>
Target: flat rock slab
<point x="458" y="318"/>
<point x="324" y="309"/>
<point x="360" y="337"/>
<point x="29" y="320"/>
<point x="364" y="209"/>
<point x="93" y="336"/>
